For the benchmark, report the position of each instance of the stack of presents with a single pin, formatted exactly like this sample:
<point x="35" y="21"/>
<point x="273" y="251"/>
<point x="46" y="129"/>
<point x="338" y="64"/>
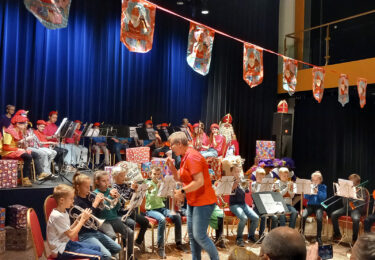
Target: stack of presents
<point x="8" y="173"/>
<point x="139" y="161"/>
<point x="16" y="235"/>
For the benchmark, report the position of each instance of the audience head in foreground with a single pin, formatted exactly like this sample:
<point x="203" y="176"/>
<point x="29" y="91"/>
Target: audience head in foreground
<point x="283" y="243"/>
<point x="364" y="248"/>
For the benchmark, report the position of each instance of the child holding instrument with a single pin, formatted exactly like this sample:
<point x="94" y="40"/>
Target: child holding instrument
<point x="314" y="204"/>
<point x="113" y="223"/>
<point x="126" y="191"/>
<point x="60" y="233"/>
<point x="286" y="188"/>
<point x="156" y="209"/>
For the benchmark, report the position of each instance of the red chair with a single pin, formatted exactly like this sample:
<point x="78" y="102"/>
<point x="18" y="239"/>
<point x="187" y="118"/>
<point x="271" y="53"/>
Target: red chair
<point x="36" y="235"/>
<point x="49" y="205"/>
<point x="153" y="223"/>
<point x="343" y="220"/>
<point x="228" y="215"/>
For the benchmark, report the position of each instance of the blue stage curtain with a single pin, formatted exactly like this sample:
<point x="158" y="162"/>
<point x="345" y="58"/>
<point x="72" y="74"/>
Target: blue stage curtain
<point x="86" y="73"/>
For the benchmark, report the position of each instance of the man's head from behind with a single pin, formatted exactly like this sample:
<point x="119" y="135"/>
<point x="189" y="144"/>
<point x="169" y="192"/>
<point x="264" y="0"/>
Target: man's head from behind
<point x="283" y="243"/>
<point x="364" y="248"/>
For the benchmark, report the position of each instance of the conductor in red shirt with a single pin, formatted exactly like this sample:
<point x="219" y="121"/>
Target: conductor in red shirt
<point x="197" y="189"/>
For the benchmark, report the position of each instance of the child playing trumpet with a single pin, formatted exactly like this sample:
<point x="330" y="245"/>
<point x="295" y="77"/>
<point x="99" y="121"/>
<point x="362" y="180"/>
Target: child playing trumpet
<point x="314" y="204"/>
<point x="108" y="247"/>
<point x="113" y="223"/>
<point x="260" y="173"/>
<point x="60" y="234"/>
<point x="286" y="188"/>
<point x="126" y="191"/>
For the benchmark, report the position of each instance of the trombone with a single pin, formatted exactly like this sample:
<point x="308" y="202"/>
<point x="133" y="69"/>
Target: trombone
<point x="92" y="223"/>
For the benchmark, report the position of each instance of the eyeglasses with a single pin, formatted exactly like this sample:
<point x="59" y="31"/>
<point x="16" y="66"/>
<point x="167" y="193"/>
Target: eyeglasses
<point x="21" y="123"/>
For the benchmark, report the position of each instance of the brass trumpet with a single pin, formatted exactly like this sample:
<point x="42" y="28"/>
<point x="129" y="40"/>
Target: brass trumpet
<point x="111" y="203"/>
<point x="92" y="223"/>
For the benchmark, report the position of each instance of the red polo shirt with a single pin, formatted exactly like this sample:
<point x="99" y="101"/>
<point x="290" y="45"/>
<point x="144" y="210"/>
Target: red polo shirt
<point x="192" y="163"/>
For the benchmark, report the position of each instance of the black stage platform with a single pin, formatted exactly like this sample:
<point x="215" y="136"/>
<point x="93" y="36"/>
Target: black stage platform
<point x="33" y="197"/>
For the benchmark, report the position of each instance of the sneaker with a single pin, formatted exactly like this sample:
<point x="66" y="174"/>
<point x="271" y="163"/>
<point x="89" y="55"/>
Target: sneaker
<point x="141" y="246"/>
<point x="251" y="239"/>
<point x="44" y="175"/>
<point x="221" y="244"/>
<point x="26" y="182"/>
<point x="161" y="253"/>
<point x="181" y="247"/>
<point x="240" y="243"/>
<point x="336" y="237"/>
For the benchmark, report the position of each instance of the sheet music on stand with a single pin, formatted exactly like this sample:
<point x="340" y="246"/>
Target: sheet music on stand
<point x="225" y="186"/>
<point x="266" y="185"/>
<point x="189" y="137"/>
<point x="304" y="186"/>
<point x="70" y="131"/>
<point x="167" y="187"/>
<point x="92" y="132"/>
<point x="138" y="196"/>
<point x="151" y="133"/>
<point x="85" y="128"/>
<point x="344" y="188"/>
<point x="133" y="132"/>
<point x="269" y="203"/>
<point x="63" y="122"/>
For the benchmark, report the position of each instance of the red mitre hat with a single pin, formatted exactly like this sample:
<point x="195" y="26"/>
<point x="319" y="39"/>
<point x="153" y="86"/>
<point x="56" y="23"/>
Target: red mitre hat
<point x="97" y="124"/>
<point x="227" y="119"/>
<point x="78" y="122"/>
<point x="196" y="125"/>
<point x="148" y="122"/>
<point x="164" y="125"/>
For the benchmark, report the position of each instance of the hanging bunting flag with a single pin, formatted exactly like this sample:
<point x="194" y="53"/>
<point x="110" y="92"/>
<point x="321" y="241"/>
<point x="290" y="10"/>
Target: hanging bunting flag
<point x="137" y="25"/>
<point x="53" y="14"/>
<point x="200" y="42"/>
<point x="361" y="87"/>
<point x="252" y="65"/>
<point x="290" y="68"/>
<point x="343" y="89"/>
<point x="318" y="83"/>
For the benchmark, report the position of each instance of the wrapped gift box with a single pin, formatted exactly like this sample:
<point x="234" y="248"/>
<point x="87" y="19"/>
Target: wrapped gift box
<point x="265" y="149"/>
<point x="2" y="241"/>
<point x="215" y="165"/>
<point x="8" y="173"/>
<point x="2" y="218"/>
<point x="16" y="216"/>
<point x="162" y="163"/>
<point x="133" y="170"/>
<point x="138" y="154"/>
<point x="17" y="239"/>
<point x="146" y="170"/>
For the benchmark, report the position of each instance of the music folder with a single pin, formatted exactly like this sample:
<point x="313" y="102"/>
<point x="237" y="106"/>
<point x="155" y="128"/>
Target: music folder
<point x="269" y="203"/>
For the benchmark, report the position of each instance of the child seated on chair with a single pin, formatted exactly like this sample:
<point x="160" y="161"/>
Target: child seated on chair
<point x="314" y="204"/>
<point x="112" y="223"/>
<point x="156" y="209"/>
<point x="260" y="173"/>
<point x="60" y="233"/>
<point x="126" y="191"/>
<point x="286" y="188"/>
<point x="238" y="206"/>
<point x="81" y="184"/>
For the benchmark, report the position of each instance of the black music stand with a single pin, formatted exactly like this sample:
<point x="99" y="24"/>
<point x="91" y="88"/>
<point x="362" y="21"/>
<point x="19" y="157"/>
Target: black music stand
<point x="268" y="204"/>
